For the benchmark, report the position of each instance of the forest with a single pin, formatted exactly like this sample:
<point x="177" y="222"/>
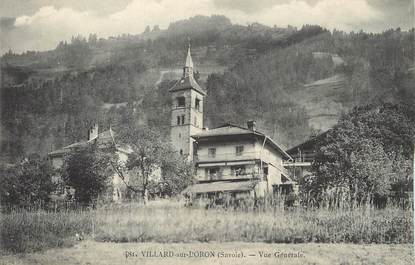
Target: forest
<point x="49" y="99"/>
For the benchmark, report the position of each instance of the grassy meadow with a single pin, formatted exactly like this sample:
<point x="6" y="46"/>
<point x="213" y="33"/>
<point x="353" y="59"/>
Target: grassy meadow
<point x="171" y="222"/>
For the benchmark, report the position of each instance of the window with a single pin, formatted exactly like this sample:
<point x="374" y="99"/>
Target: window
<point x="181" y="151"/>
<point x="181" y="102"/>
<point x="182" y="119"/>
<point x="212" y="152"/>
<point x="238" y="170"/>
<point x="239" y="150"/>
<point x="178" y="120"/>
<point x="180" y="135"/>
<point x="213" y="173"/>
<point x="197" y="104"/>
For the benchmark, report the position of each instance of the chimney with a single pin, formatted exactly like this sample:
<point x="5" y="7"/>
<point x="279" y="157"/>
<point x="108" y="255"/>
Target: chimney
<point x="251" y="124"/>
<point x="93" y="132"/>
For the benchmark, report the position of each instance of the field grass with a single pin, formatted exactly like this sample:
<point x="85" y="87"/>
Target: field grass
<point x="23" y="231"/>
<point x="170" y="222"/>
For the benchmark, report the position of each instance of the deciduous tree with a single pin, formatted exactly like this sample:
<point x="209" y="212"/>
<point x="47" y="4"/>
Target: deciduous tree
<point x="88" y="170"/>
<point x="28" y="183"/>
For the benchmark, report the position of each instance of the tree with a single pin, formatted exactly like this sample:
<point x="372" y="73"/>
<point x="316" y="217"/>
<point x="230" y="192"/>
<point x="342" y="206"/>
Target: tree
<point x="147" y="150"/>
<point x="365" y="155"/>
<point x="359" y="168"/>
<point x="28" y="183"/>
<point x="87" y="169"/>
<point x="152" y="166"/>
<point x="177" y="174"/>
<point x="92" y="40"/>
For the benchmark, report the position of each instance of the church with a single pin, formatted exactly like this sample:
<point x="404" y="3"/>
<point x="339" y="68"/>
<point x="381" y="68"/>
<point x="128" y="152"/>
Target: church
<point x="230" y="159"/>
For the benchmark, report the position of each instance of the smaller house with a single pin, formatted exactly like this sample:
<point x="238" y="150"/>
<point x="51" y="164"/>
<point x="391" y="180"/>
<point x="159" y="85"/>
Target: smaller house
<point x="241" y="162"/>
<point x="103" y="139"/>
<point x="303" y="156"/>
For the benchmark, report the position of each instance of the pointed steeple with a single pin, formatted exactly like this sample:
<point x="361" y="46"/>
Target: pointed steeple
<point x="187" y="81"/>
<point x="188" y="67"/>
<point x="189" y="61"/>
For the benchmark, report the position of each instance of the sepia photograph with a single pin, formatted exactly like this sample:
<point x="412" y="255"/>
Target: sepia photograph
<point x="207" y="132"/>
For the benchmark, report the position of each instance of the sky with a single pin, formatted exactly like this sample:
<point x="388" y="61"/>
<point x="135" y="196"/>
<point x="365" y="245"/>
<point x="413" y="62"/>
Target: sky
<point x="41" y="24"/>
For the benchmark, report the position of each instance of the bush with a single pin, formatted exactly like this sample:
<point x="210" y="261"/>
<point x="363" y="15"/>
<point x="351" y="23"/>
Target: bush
<point x="26" y="184"/>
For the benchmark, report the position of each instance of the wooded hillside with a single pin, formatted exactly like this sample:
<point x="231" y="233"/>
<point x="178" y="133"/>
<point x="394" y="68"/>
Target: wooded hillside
<point x="294" y="82"/>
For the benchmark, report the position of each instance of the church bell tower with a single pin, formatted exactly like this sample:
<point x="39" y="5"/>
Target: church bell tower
<point x="187" y="110"/>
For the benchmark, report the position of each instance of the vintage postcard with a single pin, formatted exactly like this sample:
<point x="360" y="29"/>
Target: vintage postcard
<point x="207" y="132"/>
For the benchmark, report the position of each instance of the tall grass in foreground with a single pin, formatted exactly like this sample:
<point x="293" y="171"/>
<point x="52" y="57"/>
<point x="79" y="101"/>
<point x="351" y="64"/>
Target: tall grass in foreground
<point x="177" y="224"/>
<point x="24" y="231"/>
<point x="167" y="222"/>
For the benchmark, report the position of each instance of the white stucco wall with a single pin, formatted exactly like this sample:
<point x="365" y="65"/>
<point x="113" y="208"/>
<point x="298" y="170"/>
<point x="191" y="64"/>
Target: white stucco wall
<point x="253" y="151"/>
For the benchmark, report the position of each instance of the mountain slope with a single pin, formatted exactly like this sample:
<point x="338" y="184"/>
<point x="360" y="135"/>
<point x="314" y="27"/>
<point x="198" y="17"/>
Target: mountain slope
<point x="322" y="102"/>
<point x="294" y="82"/>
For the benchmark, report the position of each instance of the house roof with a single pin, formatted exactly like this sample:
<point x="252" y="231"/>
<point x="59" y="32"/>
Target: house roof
<point x="229" y="129"/>
<point x="309" y="144"/>
<point x="220" y="186"/>
<point x="104" y="137"/>
<point x="187" y="82"/>
<point x="226" y="129"/>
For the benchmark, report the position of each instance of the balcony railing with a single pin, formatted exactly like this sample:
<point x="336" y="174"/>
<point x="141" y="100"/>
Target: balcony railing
<point x="227" y="157"/>
<point x="217" y="177"/>
<point x="306" y="157"/>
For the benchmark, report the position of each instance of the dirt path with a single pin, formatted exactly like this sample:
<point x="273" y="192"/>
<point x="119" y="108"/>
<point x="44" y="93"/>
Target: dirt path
<point x="89" y="252"/>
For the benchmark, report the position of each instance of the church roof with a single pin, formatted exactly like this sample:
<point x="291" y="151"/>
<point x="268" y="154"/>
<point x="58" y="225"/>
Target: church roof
<point x="187" y="82"/>
<point x="229" y="129"/>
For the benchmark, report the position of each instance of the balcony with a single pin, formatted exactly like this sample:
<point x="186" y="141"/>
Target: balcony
<point x="227" y="157"/>
<point x="304" y="157"/>
<point x="227" y="177"/>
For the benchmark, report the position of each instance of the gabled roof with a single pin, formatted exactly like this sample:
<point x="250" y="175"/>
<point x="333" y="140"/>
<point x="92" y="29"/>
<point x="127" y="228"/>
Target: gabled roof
<point x="187" y="82"/>
<point x="309" y="144"/>
<point x="229" y="129"/>
<point x="225" y="129"/>
<point x="105" y="137"/>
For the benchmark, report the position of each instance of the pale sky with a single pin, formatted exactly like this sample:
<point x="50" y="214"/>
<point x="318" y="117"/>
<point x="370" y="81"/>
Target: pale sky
<point x="41" y="24"/>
